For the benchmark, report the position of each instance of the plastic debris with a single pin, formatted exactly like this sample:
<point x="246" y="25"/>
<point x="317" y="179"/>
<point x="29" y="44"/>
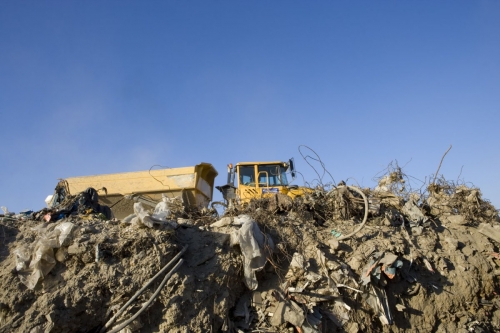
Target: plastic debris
<point x="33" y="265"/>
<point x="165" y="208"/>
<point x="255" y="247"/>
<point x="142" y="217"/>
<point x="335" y="233"/>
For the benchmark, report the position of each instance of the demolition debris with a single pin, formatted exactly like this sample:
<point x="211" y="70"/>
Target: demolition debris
<point x="338" y="259"/>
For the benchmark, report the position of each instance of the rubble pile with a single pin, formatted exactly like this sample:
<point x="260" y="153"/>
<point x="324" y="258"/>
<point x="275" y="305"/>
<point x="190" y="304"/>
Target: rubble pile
<point x="342" y="259"/>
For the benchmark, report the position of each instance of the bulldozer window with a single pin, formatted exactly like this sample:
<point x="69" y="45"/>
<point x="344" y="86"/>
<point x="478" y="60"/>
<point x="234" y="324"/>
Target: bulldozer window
<point x="276" y="174"/>
<point x="247" y="175"/>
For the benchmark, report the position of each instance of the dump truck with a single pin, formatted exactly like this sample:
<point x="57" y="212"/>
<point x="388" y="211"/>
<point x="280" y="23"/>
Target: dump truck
<point x="194" y="184"/>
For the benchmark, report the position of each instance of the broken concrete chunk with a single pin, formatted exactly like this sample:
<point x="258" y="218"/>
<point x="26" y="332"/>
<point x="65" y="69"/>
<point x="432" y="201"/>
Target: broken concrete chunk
<point x="442" y="264"/>
<point x="333" y="243"/>
<point x="332" y="265"/>
<point x="456" y="219"/>
<point x="278" y="312"/>
<point x="489" y="231"/>
<point x="356" y="262"/>
<point x="298" y="261"/>
<point x="452" y="243"/>
<point x="294" y="314"/>
<point x="76" y="248"/>
<point x="417" y="230"/>
<point x="388" y="258"/>
<point x="353" y="328"/>
<point x="468" y="251"/>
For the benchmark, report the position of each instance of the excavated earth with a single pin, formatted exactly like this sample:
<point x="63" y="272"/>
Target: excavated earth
<point x="447" y="279"/>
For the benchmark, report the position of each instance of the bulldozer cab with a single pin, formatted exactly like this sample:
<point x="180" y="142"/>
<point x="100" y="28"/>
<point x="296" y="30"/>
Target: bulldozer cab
<point x="256" y="180"/>
<point x="260" y="179"/>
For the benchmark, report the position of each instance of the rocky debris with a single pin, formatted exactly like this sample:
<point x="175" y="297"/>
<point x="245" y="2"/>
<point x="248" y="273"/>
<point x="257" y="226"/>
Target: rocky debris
<point x="421" y="263"/>
<point x="106" y="263"/>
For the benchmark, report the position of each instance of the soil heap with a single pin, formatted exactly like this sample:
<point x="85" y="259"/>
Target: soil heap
<point x="322" y="263"/>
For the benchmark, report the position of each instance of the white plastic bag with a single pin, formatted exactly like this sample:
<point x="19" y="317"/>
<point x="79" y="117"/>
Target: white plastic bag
<point x="162" y="210"/>
<point x="41" y="264"/>
<point x="255" y="247"/>
<point x="142" y="216"/>
<point x="33" y="266"/>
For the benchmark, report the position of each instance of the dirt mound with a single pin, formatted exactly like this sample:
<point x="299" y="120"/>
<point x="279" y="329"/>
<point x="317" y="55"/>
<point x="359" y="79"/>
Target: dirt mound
<point x="322" y="263"/>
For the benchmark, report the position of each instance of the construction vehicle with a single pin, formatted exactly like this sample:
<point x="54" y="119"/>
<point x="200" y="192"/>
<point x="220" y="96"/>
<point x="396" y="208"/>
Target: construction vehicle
<point x="255" y="180"/>
<point x="193" y="184"/>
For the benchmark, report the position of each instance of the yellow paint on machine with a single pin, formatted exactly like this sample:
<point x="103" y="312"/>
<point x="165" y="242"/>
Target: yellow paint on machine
<point x="194" y="183"/>
<point x="257" y="180"/>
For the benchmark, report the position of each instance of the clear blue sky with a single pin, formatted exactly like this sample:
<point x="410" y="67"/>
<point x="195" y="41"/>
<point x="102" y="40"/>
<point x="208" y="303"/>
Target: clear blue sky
<point x="89" y="87"/>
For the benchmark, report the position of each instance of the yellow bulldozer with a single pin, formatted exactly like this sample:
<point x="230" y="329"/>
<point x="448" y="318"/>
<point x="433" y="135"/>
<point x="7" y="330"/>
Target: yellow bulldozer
<point x="254" y="180"/>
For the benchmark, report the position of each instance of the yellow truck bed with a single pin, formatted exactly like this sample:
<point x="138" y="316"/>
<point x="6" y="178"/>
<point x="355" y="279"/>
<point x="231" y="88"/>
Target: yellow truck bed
<point x="194" y="183"/>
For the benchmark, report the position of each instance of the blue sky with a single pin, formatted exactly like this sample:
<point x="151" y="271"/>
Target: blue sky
<point x="113" y="86"/>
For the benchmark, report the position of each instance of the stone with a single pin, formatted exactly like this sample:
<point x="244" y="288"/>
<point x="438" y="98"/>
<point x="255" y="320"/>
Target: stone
<point x="333" y="243"/>
<point x="468" y="251"/>
<point x="456" y="219"/>
<point x="76" y="248"/>
<point x="452" y="243"/>
<point x="354" y="328"/>
<point x="61" y="254"/>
